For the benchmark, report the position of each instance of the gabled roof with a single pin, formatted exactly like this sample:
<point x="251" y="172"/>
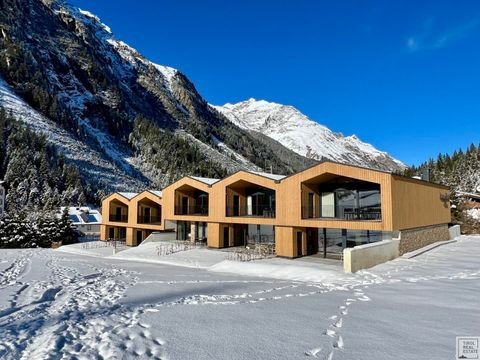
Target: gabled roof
<point x="207" y="181"/>
<point x="268" y="175"/>
<point x="156" y="192"/>
<point x="128" y="195"/>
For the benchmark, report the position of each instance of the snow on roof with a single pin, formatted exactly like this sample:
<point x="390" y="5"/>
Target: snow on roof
<point x="208" y="181"/>
<point x="156" y="192"/>
<point x="268" y="175"/>
<point x="82" y="215"/>
<point x="128" y="195"/>
<point x="472" y="195"/>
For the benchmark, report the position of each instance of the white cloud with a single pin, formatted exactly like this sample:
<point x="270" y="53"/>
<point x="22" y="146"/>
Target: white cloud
<point x="412" y="44"/>
<point x="429" y="39"/>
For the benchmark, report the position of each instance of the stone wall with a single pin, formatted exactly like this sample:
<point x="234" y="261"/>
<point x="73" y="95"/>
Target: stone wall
<point x="413" y="239"/>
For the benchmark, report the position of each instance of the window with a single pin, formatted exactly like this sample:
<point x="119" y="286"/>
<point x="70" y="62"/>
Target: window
<point x="328" y="204"/>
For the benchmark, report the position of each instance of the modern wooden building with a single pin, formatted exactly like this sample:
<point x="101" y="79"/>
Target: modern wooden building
<point x="321" y="210"/>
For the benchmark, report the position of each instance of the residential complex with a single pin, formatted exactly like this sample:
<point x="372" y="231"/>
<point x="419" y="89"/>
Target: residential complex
<point x="84" y="219"/>
<point x="321" y="210"/>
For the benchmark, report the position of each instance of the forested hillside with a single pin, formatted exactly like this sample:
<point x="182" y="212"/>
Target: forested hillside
<point x="36" y="175"/>
<point x="460" y="170"/>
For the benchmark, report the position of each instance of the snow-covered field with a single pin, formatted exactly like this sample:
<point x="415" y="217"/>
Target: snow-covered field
<point x="58" y="305"/>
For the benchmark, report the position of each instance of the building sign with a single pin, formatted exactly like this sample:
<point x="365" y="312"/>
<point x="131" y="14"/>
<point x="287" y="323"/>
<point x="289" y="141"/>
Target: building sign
<point x="467" y="347"/>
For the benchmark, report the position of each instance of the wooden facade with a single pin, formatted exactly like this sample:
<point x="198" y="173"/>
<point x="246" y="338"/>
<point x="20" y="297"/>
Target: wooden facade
<point x="291" y="206"/>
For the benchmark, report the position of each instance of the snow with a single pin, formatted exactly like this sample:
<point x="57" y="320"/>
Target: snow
<point x="93" y="163"/>
<point x="59" y="305"/>
<point x="268" y="175"/>
<point x="306" y="137"/>
<point x="83" y="215"/>
<point x="195" y="258"/>
<point x="167" y="72"/>
<point x="128" y="195"/>
<point x="283" y="269"/>
<point x="473" y="213"/>
<point x="93" y="248"/>
<point x="156" y="192"/>
<point x="95" y="18"/>
<point x="232" y="153"/>
<point x="208" y="181"/>
<point x="223" y="155"/>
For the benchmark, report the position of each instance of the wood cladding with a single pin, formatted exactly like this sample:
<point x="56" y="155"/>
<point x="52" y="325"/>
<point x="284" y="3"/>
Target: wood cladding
<point x="405" y="203"/>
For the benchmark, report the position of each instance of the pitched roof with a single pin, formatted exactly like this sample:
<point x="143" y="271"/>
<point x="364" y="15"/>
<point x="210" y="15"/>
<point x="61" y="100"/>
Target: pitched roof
<point x="128" y="195"/>
<point x="208" y="181"/>
<point x="268" y="175"/>
<point x="156" y="192"/>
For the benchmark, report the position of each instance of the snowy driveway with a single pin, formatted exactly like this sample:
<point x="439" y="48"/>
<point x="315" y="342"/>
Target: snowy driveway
<point x="55" y="305"/>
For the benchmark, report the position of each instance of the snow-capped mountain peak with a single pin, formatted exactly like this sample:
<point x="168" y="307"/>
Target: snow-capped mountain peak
<point x="296" y="131"/>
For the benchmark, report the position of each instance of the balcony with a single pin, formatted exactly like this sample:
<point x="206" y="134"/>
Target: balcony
<point x="118" y="218"/>
<point x="244" y="211"/>
<point x="341" y="213"/>
<point x="154" y="220"/>
<point x="191" y="210"/>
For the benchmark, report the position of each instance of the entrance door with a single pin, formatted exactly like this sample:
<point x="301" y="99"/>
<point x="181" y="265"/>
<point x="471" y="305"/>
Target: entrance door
<point x="111" y="233"/>
<point x="299" y="244"/>
<point x="312" y="241"/>
<point x="226" y="240"/>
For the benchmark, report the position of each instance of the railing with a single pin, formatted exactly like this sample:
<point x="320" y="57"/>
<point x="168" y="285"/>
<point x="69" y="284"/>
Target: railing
<point x="261" y="239"/>
<point x="116" y="243"/>
<point x="191" y="210"/>
<point x="260" y="211"/>
<point x="149" y="219"/>
<point x="118" y="218"/>
<point x="341" y="213"/>
<point x="259" y="252"/>
<point x="89" y="238"/>
<point x="165" y="249"/>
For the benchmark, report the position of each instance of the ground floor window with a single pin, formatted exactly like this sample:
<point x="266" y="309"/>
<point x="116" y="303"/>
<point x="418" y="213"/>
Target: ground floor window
<point x="183" y="230"/>
<point x="330" y="243"/>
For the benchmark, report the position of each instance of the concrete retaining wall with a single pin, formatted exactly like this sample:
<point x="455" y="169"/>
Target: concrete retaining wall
<point x="454" y="231"/>
<point x="369" y="255"/>
<point x="160" y="236"/>
<point x="413" y="239"/>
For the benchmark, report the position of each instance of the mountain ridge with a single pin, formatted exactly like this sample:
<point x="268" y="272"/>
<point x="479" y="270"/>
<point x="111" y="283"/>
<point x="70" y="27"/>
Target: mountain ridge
<point x="112" y="111"/>
<point x="294" y="130"/>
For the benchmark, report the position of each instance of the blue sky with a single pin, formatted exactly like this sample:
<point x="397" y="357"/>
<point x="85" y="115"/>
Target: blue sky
<point x="402" y="75"/>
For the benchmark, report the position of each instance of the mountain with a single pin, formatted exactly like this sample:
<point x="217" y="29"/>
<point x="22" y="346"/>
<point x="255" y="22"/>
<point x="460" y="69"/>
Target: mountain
<point x="124" y="121"/>
<point x="306" y="137"/>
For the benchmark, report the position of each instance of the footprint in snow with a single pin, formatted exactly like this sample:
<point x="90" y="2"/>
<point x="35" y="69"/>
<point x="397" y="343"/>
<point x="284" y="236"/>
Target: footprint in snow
<point x="330" y="332"/>
<point x="314" y="352"/>
<point x="338" y="324"/>
<point x="339" y="343"/>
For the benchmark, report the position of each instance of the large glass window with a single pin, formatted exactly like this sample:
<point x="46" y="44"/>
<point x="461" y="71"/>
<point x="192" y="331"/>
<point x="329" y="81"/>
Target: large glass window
<point x="346" y="203"/>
